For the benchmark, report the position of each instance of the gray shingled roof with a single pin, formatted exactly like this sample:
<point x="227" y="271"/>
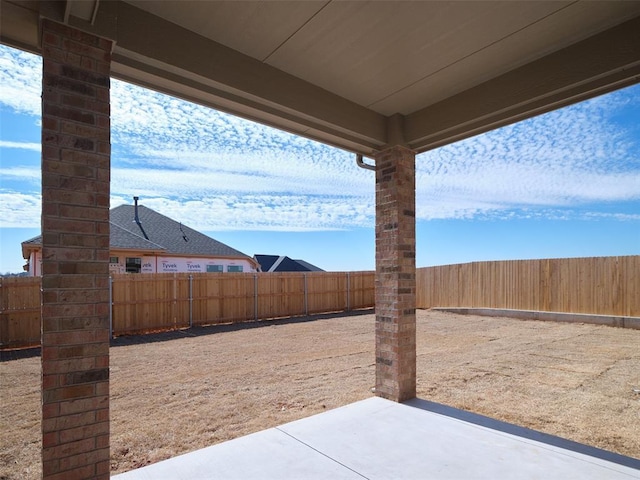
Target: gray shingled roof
<point x="169" y="234"/>
<point x="309" y="266"/>
<point x="285" y="264"/>
<point x="164" y="234"/>
<point x="33" y="241"/>
<point x="121" y="238"/>
<point x="118" y="238"/>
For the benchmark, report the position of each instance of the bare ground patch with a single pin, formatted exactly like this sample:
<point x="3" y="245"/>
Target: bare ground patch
<point x="173" y="393"/>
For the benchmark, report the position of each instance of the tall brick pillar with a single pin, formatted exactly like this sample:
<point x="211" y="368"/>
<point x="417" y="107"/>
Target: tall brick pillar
<point x="395" y="274"/>
<point x="76" y="156"/>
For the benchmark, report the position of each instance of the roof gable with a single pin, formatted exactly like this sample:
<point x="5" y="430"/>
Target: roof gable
<point x="174" y="237"/>
<point x="282" y="263"/>
<point x="118" y="238"/>
<point x="163" y="235"/>
<point x="266" y="261"/>
<point x="309" y="266"/>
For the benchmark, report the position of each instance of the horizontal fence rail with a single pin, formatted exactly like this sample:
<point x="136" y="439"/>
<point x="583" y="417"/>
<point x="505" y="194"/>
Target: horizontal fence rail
<point x="145" y="303"/>
<point x="597" y="286"/>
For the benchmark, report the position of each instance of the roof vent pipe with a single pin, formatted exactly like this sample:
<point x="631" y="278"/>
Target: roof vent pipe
<point x="137" y="218"/>
<point x="135" y="203"/>
<point x="361" y="164"/>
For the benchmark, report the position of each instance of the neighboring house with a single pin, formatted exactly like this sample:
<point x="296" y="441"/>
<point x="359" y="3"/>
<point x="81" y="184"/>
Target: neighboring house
<point x="145" y="241"/>
<point x="275" y="263"/>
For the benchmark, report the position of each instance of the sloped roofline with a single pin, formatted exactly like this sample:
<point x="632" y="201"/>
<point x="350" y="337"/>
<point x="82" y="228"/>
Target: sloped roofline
<point x="123" y="236"/>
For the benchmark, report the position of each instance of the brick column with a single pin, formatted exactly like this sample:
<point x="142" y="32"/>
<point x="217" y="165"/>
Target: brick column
<point x="75" y="253"/>
<point x="395" y="274"/>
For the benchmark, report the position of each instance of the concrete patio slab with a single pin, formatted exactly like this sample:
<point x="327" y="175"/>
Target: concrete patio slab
<point x="379" y="439"/>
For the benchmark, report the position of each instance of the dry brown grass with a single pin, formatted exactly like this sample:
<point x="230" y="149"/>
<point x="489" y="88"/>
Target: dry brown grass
<point x="178" y="392"/>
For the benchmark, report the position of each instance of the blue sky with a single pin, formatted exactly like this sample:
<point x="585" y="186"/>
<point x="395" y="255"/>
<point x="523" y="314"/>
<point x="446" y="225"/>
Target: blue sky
<point x="564" y="184"/>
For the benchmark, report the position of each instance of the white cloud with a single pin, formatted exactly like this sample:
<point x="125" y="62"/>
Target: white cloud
<point x="20" y="77"/>
<point x="31" y="174"/>
<point x="18" y="210"/>
<point x="36" y="147"/>
<point x="215" y="171"/>
<point x="565" y="158"/>
<point x="621" y="217"/>
<point x="261" y="212"/>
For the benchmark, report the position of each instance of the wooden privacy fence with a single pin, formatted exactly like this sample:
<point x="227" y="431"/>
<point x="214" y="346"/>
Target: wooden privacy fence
<point x="599" y="285"/>
<point x="19" y="311"/>
<point x="157" y="302"/>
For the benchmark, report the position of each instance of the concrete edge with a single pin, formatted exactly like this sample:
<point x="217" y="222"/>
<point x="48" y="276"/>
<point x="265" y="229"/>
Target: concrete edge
<point x="524" y="432"/>
<point x="609" y="320"/>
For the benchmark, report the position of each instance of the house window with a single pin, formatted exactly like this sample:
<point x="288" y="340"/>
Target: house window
<point x="234" y="268"/>
<point x="215" y="268"/>
<point x="114" y="260"/>
<point x="133" y="264"/>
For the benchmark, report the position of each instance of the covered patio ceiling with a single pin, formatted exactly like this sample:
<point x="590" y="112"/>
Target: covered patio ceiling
<point x="360" y="75"/>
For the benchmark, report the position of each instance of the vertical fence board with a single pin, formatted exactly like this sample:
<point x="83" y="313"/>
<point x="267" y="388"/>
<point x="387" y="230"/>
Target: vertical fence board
<point x="280" y="294"/>
<point x="600" y="285"/>
<point x="361" y="290"/>
<point x="20" y="312"/>
<point x="207" y="299"/>
<point x="327" y="292"/>
<point x="237" y="297"/>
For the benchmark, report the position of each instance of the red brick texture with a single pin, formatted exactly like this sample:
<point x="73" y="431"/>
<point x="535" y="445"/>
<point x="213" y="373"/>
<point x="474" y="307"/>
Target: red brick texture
<point x="76" y="156"/>
<point x="395" y="274"/>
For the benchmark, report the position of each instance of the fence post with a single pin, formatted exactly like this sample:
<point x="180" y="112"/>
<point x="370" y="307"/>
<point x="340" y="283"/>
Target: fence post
<point x="306" y="300"/>
<point x="110" y="306"/>
<point x="255" y="296"/>
<point x="348" y="292"/>
<point x="190" y="301"/>
<point x="174" y="305"/>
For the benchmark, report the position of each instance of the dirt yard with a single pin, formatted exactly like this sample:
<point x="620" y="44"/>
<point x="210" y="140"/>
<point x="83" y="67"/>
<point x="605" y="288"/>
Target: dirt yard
<point x="177" y="392"/>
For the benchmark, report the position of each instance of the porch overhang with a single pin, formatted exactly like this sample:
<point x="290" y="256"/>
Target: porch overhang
<point x="361" y="76"/>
